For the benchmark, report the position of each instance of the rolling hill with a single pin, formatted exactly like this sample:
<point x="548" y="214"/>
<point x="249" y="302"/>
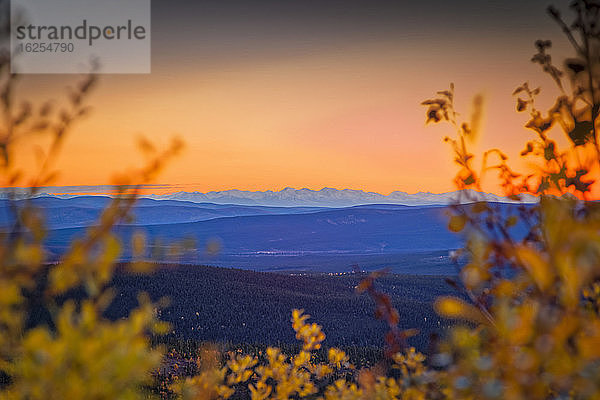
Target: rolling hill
<point x="269" y="238"/>
<point x="83" y="211"/>
<point x="356" y="230"/>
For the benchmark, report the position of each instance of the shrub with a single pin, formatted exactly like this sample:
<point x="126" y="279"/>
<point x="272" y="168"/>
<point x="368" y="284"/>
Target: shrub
<point x="54" y="341"/>
<point x="532" y="270"/>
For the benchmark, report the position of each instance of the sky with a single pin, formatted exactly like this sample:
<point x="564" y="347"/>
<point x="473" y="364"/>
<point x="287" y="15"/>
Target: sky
<point x="274" y="94"/>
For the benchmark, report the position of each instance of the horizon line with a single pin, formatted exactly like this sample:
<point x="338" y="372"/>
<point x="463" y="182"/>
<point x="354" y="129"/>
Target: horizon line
<point x="108" y="190"/>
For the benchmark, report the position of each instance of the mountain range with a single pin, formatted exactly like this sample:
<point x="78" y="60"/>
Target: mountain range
<point x="288" y="197"/>
<point x="329" y="197"/>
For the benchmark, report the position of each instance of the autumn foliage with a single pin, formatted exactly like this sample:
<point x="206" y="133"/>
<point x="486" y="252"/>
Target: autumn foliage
<point x="528" y="322"/>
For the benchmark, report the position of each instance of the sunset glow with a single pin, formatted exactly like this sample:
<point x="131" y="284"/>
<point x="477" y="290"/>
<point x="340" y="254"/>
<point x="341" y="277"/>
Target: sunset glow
<point x="337" y="107"/>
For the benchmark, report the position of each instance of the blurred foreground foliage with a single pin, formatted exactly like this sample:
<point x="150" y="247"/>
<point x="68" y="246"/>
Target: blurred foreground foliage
<point x="532" y="324"/>
<point x="54" y="345"/>
<point x="532" y="275"/>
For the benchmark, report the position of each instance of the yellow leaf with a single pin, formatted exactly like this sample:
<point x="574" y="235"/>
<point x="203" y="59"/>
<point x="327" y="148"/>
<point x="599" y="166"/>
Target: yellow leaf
<point x="511" y="221"/>
<point x="455" y="308"/>
<point x="538" y="268"/>
<point x="457" y="223"/>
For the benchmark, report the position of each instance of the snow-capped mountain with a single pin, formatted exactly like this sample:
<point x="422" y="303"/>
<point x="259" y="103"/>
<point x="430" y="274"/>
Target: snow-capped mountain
<point x="329" y="197"/>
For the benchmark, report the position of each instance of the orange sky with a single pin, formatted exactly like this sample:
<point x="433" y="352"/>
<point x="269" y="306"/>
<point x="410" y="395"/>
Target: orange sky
<point x="343" y="115"/>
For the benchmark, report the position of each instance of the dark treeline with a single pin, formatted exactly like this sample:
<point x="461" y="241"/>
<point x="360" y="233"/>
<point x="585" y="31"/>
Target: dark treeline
<point x="238" y="306"/>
